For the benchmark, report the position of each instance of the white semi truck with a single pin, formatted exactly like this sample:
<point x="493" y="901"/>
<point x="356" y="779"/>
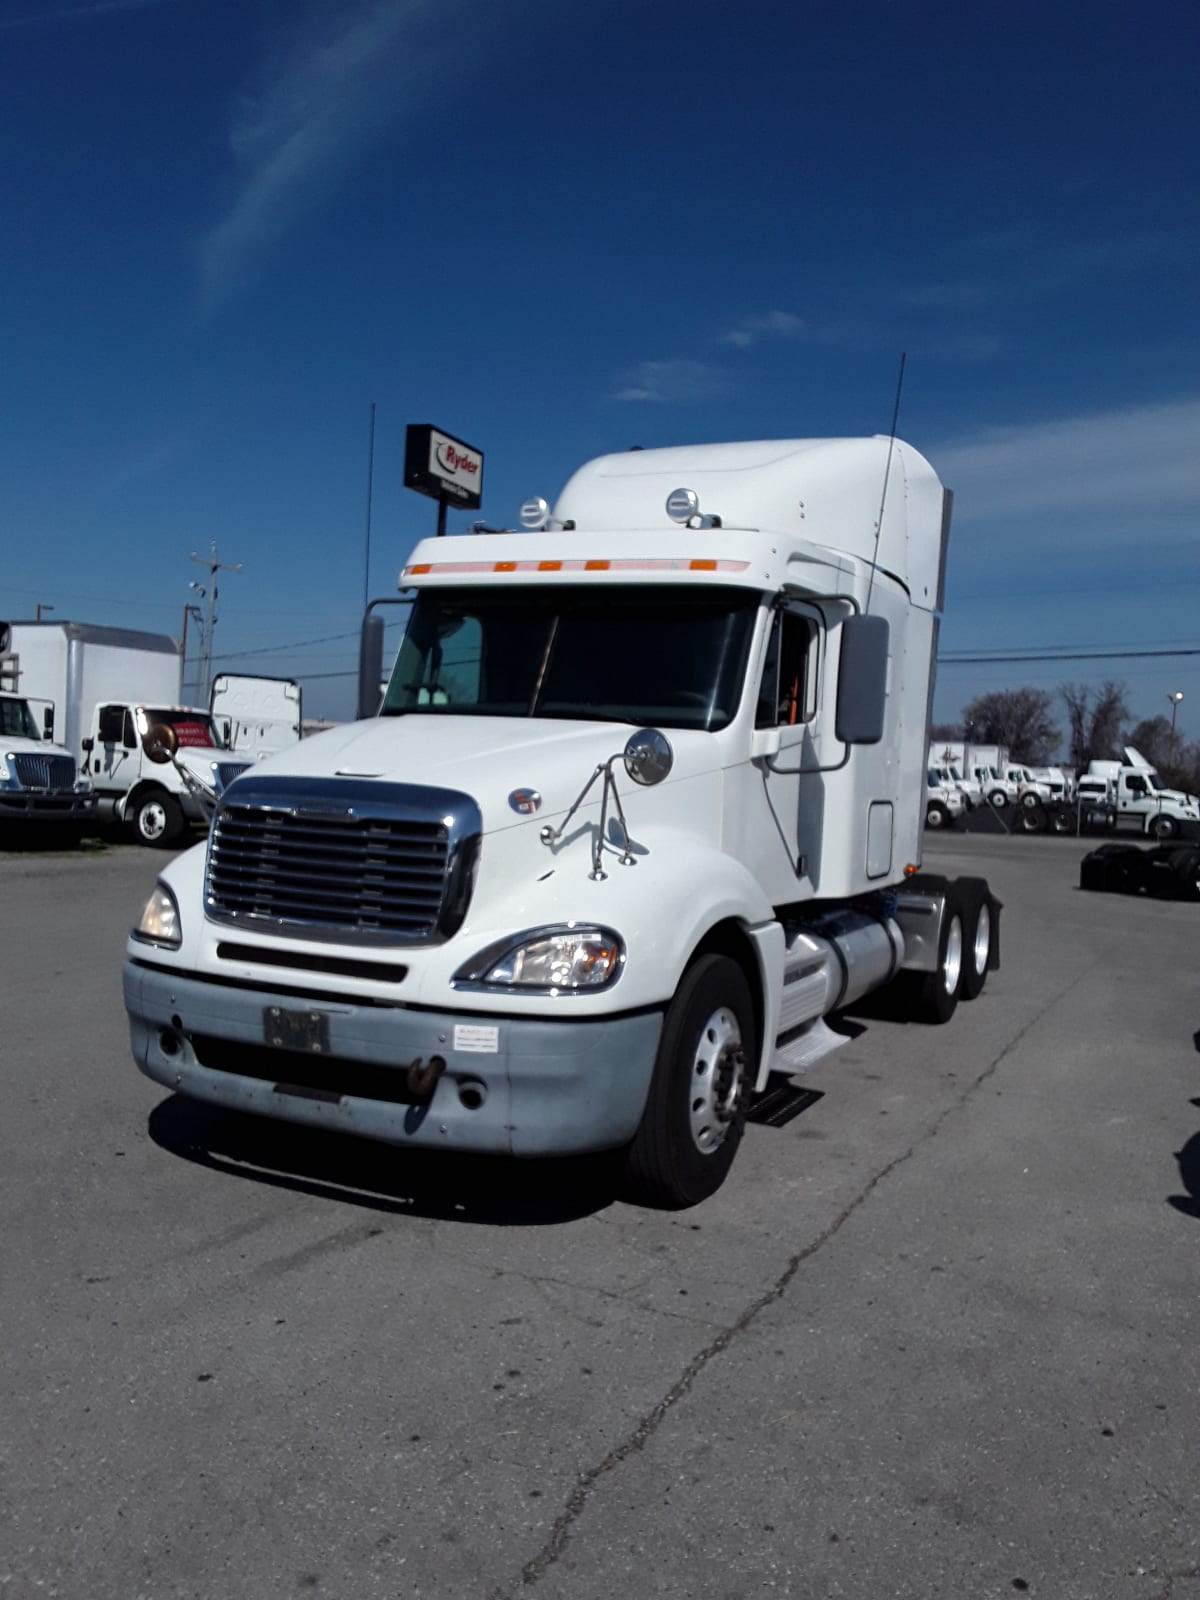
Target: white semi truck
<point x="108" y="688"/>
<point x="642" y="807"/>
<point x="1140" y="798"/>
<point x="39" y="780"/>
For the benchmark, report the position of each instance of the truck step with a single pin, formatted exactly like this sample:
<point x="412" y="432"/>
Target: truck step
<point x="801" y="1048"/>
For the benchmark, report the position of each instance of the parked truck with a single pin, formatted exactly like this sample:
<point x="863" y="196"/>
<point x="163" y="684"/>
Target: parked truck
<point x="111" y="689"/>
<point x="1141" y="800"/>
<point x="642" y="807"/>
<point x="40" y="783"/>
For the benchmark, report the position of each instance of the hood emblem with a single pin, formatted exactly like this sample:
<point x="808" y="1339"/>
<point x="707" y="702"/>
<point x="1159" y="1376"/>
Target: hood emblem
<point x="525" y="801"/>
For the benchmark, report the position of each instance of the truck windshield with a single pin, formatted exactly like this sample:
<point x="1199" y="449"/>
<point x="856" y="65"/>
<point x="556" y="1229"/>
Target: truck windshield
<point x="670" y="656"/>
<point x="194" y="729"/>
<point x="17" y="721"/>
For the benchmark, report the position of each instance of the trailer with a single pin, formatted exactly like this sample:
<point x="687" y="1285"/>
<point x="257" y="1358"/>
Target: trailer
<point x="641" y="811"/>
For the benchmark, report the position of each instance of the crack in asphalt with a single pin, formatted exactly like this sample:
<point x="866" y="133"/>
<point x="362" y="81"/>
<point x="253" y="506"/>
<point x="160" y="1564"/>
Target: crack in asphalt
<point x="576" y="1503"/>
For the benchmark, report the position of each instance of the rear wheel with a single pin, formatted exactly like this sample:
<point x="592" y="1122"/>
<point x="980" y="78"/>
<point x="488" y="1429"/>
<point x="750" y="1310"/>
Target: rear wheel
<point x="977" y="921"/>
<point x="933" y="996"/>
<point x="1033" y="818"/>
<point x="696" y="1109"/>
<point x="1063" y="821"/>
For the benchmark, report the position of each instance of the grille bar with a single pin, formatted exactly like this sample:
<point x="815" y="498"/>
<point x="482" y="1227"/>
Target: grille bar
<point x="353" y="861"/>
<point x="36" y="771"/>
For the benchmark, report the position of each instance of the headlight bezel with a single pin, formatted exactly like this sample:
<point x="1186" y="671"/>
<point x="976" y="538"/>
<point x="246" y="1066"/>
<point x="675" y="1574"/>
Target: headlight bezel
<point x="475" y="975"/>
<point x="160" y="940"/>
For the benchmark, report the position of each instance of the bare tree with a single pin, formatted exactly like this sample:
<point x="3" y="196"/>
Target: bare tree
<point x="1095" y="718"/>
<point x="1022" y="719"/>
<point x="1152" y="736"/>
<point x="945" y="730"/>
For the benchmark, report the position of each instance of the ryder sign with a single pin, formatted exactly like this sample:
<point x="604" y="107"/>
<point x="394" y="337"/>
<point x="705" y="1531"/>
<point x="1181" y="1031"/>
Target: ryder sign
<point x="442" y="467"/>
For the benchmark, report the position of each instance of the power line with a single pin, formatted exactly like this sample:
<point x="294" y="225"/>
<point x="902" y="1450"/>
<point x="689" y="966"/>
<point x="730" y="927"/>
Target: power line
<point x="1078" y="655"/>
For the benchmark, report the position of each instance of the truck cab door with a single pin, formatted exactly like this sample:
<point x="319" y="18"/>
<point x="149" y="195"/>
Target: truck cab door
<point x="1133" y="794"/>
<point x="784" y="715"/>
<point x="115" y="754"/>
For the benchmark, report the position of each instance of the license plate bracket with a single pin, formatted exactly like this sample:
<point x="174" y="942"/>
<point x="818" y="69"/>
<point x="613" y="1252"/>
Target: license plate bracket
<point x="287" y="1028"/>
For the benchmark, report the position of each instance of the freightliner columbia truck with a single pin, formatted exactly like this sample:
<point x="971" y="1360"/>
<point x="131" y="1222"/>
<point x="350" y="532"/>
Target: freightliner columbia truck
<point x="641" y="807"/>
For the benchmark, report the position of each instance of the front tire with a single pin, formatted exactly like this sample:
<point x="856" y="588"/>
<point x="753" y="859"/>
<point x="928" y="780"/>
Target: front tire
<point x="696" y="1109"/>
<point x="158" y="819"/>
<point x="998" y="799"/>
<point x="1164" y="828"/>
<point x="936" y="815"/>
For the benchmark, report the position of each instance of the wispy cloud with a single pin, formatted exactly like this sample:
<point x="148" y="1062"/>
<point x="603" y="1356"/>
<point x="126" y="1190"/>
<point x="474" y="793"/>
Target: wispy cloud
<point x="675" y="382"/>
<point x="1141" y="459"/>
<point x="322" y="101"/>
<point x="765" y="325"/>
<point x="100" y="8"/>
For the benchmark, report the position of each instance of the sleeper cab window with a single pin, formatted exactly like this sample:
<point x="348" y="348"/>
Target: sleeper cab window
<point x="788" y="693"/>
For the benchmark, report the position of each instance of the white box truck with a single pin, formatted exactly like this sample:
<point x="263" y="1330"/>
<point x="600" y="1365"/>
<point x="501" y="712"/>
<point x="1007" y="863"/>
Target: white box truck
<point x="110" y="687"/>
<point x="642" y="806"/>
<point x="39" y="780"/>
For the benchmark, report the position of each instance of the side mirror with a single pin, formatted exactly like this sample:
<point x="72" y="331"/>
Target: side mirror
<point x="370" y="665"/>
<point x="88" y="746"/>
<point x="160" y="742"/>
<point x="48" y="723"/>
<point x="862" y="679"/>
<point x="648" y="757"/>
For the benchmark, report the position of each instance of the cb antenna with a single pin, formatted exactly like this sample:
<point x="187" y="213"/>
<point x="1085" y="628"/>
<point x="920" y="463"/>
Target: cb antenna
<point x="886" y="474"/>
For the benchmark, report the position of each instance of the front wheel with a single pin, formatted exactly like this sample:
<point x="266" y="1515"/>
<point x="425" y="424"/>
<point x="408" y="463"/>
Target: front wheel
<point x="936" y="815"/>
<point x="1164" y="828"/>
<point x="158" y="819"/>
<point x="998" y="799"/>
<point x="696" y="1109"/>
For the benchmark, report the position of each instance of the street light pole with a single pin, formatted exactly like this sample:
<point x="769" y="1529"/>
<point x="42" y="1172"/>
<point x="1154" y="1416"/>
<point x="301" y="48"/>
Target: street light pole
<point x="1174" y="698"/>
<point x="214" y="566"/>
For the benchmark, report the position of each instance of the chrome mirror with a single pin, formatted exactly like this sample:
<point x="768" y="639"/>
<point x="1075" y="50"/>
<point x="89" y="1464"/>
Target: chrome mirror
<point x="160" y="742"/>
<point x="648" y="757"/>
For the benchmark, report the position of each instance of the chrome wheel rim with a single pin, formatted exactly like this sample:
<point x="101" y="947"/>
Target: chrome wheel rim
<point x="983" y="940"/>
<point x="952" y="965"/>
<point x="717" y="1079"/>
<point x="152" y="821"/>
<point x="933" y="817"/>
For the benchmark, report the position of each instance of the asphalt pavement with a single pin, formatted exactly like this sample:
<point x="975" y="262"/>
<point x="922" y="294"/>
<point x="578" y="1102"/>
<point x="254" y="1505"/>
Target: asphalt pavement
<point x="937" y="1335"/>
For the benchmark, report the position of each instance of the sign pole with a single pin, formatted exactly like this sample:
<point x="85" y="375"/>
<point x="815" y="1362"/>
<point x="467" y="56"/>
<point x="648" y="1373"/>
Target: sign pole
<point x="441" y="527"/>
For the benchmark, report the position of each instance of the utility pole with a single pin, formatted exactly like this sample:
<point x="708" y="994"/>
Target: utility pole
<point x="41" y="608"/>
<point x="370" y="485"/>
<point x="214" y="566"/>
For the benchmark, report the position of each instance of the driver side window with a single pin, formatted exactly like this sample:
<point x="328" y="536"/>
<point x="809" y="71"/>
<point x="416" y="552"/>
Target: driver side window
<point x="788" y="692"/>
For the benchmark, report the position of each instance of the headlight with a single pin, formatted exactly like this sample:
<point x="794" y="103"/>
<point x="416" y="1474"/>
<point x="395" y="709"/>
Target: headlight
<point x="554" y="960"/>
<point x="159" y="922"/>
<point x="83" y="785"/>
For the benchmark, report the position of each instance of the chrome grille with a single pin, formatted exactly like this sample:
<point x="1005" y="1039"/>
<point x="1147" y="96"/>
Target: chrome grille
<point x="227" y="771"/>
<point x="369" y="863"/>
<point x="35" y="771"/>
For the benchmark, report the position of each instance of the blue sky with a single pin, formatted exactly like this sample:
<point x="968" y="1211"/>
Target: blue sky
<point x="232" y="225"/>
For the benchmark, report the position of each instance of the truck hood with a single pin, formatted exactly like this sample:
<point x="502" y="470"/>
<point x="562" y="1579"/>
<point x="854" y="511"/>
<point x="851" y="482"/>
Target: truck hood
<point x="36" y="747"/>
<point x="488" y="758"/>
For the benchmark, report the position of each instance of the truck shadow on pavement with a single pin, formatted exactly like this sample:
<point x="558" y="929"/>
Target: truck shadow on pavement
<point x="440" y="1184"/>
<point x="1189" y="1165"/>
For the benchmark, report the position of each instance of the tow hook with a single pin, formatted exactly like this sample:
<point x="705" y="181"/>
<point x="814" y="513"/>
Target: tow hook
<point x="421" y="1080"/>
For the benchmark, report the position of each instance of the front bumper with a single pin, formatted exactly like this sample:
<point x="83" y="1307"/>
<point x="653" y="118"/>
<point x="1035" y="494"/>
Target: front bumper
<point x="45" y="805"/>
<point x="515" y="1086"/>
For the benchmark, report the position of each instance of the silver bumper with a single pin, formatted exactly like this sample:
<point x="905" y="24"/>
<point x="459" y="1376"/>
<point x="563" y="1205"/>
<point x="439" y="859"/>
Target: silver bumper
<point x="514" y="1086"/>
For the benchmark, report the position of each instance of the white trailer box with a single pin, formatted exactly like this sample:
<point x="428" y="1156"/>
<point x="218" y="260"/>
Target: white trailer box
<point x="79" y="664"/>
